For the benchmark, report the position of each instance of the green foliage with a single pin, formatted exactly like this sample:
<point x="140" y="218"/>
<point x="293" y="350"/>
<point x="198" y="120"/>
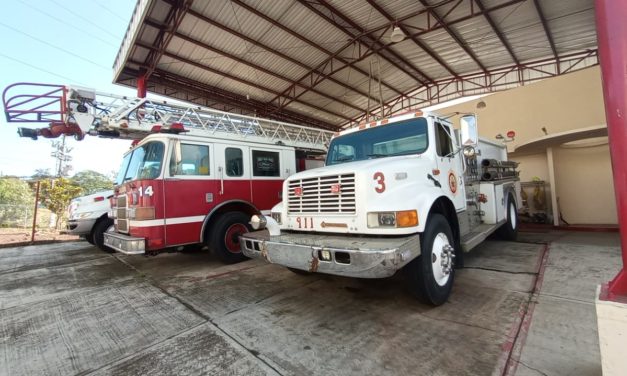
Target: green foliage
<point x="56" y="194"/>
<point x="92" y="181"/>
<point x="16" y="200"/>
<point x="14" y="191"/>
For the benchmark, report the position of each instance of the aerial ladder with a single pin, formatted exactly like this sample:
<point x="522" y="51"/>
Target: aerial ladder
<point x="77" y="111"/>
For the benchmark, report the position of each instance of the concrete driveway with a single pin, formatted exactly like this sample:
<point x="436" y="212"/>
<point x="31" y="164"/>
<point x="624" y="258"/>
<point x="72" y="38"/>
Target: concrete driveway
<point x="69" y="308"/>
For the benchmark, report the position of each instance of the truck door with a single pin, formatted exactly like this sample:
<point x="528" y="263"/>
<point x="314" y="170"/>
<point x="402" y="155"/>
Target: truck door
<point x="233" y="169"/>
<point x="450" y="165"/>
<point x="191" y="191"/>
<point x="268" y="173"/>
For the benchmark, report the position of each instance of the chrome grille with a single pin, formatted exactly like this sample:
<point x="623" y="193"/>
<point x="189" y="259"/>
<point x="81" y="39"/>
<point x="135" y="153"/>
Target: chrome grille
<point x="318" y="197"/>
<point x="121" y="213"/>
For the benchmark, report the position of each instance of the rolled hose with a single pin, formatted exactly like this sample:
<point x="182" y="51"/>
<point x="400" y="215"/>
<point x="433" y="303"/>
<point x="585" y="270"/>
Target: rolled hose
<point x="496" y="175"/>
<point x="498" y="164"/>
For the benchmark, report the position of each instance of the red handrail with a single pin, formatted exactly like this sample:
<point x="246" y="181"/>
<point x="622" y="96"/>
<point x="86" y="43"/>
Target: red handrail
<point x="26" y="102"/>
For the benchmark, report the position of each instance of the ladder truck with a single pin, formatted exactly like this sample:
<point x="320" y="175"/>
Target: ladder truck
<point x="403" y="193"/>
<point x="194" y="175"/>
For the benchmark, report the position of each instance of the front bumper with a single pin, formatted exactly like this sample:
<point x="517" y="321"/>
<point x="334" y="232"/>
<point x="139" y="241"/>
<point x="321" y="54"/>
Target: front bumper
<point x="79" y="227"/>
<point x="351" y="256"/>
<point x="124" y="243"/>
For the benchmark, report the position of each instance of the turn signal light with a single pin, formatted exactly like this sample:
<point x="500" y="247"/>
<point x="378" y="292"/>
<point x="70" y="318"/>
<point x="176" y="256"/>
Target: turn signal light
<point x="407" y="218"/>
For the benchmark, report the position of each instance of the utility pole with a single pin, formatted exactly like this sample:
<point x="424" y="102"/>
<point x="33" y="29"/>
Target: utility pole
<point x="62" y="155"/>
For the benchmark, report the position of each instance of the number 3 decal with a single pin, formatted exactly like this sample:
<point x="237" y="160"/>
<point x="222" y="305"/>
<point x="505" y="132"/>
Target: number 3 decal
<point x="380" y="179"/>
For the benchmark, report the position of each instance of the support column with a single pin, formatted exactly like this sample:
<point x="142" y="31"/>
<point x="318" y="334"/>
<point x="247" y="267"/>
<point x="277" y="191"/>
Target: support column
<point x="611" y="301"/>
<point x="612" y="38"/>
<point x="141" y="86"/>
<point x="554" y="209"/>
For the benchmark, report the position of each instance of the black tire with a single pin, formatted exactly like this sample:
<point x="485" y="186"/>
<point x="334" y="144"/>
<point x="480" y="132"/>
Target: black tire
<point x="90" y="238"/>
<point x="224" y="236"/>
<point x="509" y="230"/>
<point x="298" y="271"/>
<point x="427" y="281"/>
<point x="97" y="233"/>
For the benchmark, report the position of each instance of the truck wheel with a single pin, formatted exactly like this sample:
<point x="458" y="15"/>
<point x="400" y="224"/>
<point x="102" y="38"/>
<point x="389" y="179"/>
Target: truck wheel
<point x="97" y="233"/>
<point x="430" y="276"/>
<point x="224" y="237"/>
<point x="509" y="230"/>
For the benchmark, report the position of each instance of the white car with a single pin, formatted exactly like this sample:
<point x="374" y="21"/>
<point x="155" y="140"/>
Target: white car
<point x="88" y="217"/>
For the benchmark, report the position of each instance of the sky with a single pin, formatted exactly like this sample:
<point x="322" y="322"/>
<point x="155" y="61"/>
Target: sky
<point x="64" y="42"/>
<point x="61" y="42"/>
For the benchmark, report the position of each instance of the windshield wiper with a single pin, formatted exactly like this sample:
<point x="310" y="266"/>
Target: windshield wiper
<point x="344" y="158"/>
<point x="377" y="155"/>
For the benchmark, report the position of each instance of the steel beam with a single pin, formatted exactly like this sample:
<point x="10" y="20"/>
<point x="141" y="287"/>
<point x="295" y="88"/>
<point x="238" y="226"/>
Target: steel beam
<point x="612" y="37"/>
<point x="395" y="59"/>
<point x="254" y="66"/>
<point x="207" y="95"/>
<point x="174" y="18"/>
<point x="460" y="42"/>
<point x="309" y="42"/>
<point x="235" y="78"/>
<point x="547" y="30"/>
<point x="415" y="39"/>
<point x="494" y="80"/>
<point x="315" y="71"/>
<point x="498" y="32"/>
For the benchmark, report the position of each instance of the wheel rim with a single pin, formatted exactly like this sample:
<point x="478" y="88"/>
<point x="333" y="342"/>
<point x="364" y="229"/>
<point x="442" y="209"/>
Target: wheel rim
<point x="512" y="215"/>
<point x="231" y="237"/>
<point x="442" y="255"/>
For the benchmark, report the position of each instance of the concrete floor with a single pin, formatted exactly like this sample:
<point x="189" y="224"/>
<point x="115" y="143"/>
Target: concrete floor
<point x="524" y="308"/>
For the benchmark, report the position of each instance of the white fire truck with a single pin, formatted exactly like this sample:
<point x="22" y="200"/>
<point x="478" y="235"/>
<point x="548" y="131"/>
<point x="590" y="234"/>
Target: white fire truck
<point x="196" y="176"/>
<point x="402" y="193"/>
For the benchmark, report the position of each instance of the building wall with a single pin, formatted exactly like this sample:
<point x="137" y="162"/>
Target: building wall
<point x="583" y="175"/>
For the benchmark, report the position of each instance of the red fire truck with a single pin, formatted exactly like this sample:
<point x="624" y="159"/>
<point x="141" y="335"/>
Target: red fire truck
<point x="196" y="176"/>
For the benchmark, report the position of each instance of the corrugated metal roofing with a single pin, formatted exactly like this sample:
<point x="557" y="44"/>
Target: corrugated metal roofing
<point x="319" y="62"/>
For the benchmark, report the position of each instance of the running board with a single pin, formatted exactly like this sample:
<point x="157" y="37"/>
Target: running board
<point x="478" y="235"/>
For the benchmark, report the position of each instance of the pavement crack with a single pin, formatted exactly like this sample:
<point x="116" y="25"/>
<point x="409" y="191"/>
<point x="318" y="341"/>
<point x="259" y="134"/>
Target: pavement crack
<point x="500" y="271"/>
<point x="531" y="368"/>
<point x="157" y="285"/>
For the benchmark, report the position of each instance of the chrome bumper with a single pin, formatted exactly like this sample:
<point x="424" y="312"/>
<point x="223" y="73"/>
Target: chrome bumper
<point x="351" y="256"/>
<point x="124" y="243"/>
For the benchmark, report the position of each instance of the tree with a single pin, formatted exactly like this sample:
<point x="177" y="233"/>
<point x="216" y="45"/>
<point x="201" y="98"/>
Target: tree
<point x="15" y="197"/>
<point x="41" y="173"/>
<point x="92" y="181"/>
<point x="56" y="195"/>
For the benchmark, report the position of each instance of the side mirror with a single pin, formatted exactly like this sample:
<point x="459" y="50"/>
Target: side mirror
<point x="470" y="134"/>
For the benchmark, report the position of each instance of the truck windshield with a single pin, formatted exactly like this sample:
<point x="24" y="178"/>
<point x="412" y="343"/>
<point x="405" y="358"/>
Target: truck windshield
<point x="406" y="137"/>
<point x="143" y="162"/>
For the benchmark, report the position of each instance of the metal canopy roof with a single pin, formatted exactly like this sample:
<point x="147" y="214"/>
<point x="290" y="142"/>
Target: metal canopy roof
<point x="325" y="62"/>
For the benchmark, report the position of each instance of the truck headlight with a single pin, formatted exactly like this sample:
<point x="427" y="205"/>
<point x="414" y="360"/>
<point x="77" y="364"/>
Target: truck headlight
<point x="276" y="216"/>
<point x="81" y="215"/>
<point x="258" y="222"/>
<point x="404" y="218"/>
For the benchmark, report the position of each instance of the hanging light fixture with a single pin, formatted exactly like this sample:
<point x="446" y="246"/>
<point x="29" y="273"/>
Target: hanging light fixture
<point x="397" y="35"/>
